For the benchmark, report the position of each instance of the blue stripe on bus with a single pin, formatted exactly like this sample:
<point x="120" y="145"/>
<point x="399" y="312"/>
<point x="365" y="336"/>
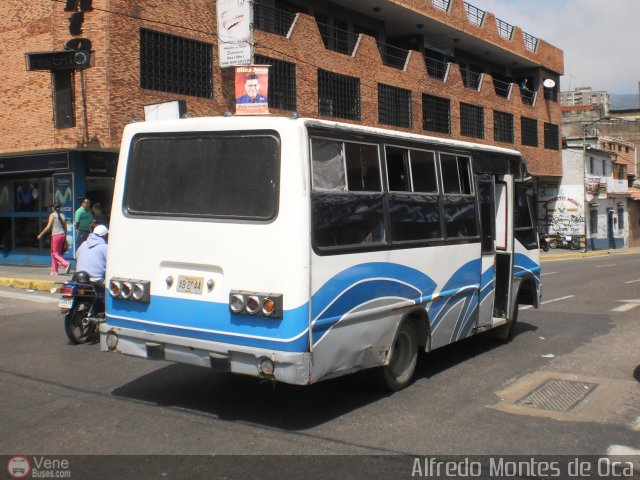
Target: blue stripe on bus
<point x="524" y="266"/>
<point x="344" y="292"/>
<point x="212" y="321"/>
<point x="341" y="284"/>
<point x="361" y="284"/>
<point x="487" y="283"/>
<point x="466" y="276"/>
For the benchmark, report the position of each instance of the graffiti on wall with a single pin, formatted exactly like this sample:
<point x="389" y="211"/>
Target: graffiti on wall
<point x="561" y="211"/>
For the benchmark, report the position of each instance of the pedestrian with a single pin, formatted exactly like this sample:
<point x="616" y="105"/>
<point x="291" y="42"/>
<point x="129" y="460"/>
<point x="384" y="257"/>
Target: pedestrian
<point x="58" y="225"/>
<point x="83" y="220"/>
<point x="524" y="84"/>
<point x="99" y="218"/>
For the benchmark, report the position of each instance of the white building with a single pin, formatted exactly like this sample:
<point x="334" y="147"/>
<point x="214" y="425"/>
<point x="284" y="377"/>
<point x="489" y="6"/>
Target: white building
<point x="589" y="200"/>
<point x="586" y="96"/>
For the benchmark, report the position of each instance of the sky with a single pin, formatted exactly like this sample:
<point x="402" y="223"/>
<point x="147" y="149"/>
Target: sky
<point x="600" y="38"/>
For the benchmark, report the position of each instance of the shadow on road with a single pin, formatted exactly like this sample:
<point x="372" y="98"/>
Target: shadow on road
<point x="278" y="405"/>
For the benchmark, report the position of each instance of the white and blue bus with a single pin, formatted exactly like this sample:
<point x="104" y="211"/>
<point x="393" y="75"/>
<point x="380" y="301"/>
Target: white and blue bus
<point x="300" y="250"/>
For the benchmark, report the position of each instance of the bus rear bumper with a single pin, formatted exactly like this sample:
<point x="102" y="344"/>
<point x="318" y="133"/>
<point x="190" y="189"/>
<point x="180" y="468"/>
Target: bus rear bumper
<point x="288" y="367"/>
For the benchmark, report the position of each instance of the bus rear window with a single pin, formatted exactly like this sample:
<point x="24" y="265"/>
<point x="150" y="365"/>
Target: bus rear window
<point x="204" y="175"/>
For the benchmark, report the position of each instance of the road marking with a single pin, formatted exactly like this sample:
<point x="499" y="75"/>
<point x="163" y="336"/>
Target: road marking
<point x="527" y="307"/>
<point x="622" y="450"/>
<point x="603" y="266"/>
<point x="633" y="281"/>
<point x="29" y="297"/>
<point x="557" y="299"/>
<point x="627" y="305"/>
<point x="549" y="273"/>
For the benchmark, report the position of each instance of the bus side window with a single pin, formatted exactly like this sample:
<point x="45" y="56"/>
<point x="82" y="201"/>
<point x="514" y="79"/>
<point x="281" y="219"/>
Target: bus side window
<point x="458" y="202"/>
<point x="413" y="216"/>
<point x="328" y="165"/>
<point x="397" y="169"/>
<point x="363" y="167"/>
<point x="340" y="217"/>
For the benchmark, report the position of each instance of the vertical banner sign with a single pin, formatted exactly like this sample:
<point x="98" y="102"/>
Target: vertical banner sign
<point x="234" y="32"/>
<point x="252" y="90"/>
<point x="63" y="195"/>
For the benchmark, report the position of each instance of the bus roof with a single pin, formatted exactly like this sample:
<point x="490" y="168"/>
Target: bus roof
<point x="265" y="122"/>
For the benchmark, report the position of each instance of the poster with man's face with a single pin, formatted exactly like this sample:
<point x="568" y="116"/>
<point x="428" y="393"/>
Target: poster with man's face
<point x="252" y="90"/>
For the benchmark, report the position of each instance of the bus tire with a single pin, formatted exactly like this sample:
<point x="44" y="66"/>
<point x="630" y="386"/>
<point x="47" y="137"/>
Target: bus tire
<point x="398" y="373"/>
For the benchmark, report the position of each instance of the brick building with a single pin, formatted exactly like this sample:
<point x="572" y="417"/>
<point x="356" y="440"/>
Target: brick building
<point x="75" y="72"/>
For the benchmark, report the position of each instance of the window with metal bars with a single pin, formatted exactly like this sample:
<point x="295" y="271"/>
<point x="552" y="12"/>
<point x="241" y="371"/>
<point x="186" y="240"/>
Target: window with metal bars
<point x="175" y="64"/>
<point x="502" y="126"/>
<point x="551" y="137"/>
<point x="593" y="220"/>
<point x="529" y="128"/>
<point x="338" y="95"/>
<point x="394" y="106"/>
<point x="436" y="114"/>
<point x="282" y="82"/>
<point x="471" y="120"/>
<point x="275" y="19"/>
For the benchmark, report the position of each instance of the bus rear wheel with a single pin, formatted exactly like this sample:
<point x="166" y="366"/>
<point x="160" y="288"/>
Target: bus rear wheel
<point x="402" y="364"/>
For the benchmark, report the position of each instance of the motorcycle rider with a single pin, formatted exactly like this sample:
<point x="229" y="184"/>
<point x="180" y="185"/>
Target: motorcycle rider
<point x="92" y="255"/>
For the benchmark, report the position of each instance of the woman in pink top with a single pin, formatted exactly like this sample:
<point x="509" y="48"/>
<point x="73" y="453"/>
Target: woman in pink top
<point x="58" y="226"/>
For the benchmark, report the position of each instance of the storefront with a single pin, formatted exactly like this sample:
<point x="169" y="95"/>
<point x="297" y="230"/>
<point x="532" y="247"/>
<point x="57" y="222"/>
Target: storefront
<point x="30" y="183"/>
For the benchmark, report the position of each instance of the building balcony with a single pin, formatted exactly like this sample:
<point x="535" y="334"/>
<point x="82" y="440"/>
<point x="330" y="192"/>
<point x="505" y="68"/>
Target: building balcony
<point x="617" y="187"/>
<point x="444" y="20"/>
<point x="283" y="23"/>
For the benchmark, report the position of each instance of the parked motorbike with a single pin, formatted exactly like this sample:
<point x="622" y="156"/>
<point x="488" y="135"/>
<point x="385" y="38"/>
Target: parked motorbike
<point x="82" y="305"/>
<point x="544" y="242"/>
<point x="565" y="241"/>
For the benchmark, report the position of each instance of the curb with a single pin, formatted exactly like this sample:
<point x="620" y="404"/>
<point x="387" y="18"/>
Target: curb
<point x="30" y="284"/>
<point x="590" y="253"/>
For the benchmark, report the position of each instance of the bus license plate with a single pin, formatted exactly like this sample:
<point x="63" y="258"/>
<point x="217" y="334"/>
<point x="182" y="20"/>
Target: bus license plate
<point x="189" y="284"/>
<point x="65" y="302"/>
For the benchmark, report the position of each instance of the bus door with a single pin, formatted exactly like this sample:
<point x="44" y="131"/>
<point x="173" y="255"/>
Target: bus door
<point x="493" y="195"/>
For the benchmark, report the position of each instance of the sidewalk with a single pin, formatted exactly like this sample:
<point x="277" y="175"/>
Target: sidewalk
<point x="38" y="278"/>
<point x="564" y="253"/>
<point x="31" y="277"/>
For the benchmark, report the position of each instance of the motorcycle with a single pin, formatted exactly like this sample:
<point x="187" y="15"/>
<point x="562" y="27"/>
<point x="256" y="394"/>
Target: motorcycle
<point x="565" y="241"/>
<point x="544" y="242"/>
<point x="82" y="305"/>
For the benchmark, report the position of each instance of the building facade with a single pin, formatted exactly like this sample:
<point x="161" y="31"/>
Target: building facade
<point x="591" y="200"/>
<point x="583" y="96"/>
<point x="77" y="71"/>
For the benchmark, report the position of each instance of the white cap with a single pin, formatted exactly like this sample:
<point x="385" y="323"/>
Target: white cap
<point x="101" y="230"/>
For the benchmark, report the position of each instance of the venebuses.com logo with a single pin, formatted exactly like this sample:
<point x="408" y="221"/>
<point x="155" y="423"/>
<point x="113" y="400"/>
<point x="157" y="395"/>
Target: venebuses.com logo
<point x="18" y="467"/>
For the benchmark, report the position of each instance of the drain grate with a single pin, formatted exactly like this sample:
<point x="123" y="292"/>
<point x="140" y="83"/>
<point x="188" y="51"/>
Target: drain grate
<point x="558" y="395"/>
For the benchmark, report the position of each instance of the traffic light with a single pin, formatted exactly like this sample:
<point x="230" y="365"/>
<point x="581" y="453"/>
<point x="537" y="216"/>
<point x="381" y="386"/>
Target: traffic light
<point x="75" y="23"/>
<point x="71" y="6"/>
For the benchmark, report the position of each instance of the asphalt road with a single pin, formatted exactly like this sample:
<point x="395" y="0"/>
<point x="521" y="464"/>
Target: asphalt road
<point x="61" y="399"/>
